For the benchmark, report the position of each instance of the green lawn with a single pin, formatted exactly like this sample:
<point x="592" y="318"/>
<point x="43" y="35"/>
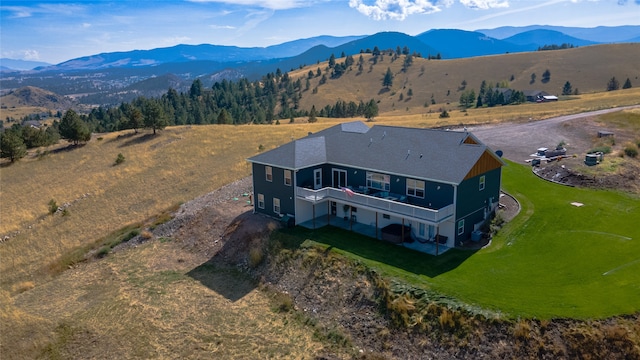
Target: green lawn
<point x="553" y="260"/>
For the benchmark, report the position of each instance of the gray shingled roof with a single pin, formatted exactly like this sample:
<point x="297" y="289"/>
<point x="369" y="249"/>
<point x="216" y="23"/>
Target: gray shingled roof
<point x="419" y="153"/>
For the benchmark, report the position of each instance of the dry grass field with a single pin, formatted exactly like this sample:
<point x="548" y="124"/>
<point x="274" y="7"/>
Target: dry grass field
<point x="140" y="302"/>
<point x="588" y="69"/>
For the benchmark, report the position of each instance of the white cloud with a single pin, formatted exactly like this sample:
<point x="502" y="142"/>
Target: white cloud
<point x="223" y="27"/>
<point x="398" y="9"/>
<point x="267" y="4"/>
<point x="19" y="11"/>
<point x="31" y="55"/>
<point x="485" y="4"/>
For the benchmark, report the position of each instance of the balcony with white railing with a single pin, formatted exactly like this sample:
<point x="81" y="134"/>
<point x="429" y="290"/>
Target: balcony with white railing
<point x="389" y="205"/>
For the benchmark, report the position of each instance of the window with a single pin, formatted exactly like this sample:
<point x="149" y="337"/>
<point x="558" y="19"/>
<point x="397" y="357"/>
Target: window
<point x="287" y="177"/>
<point x="461" y="227"/>
<point x="276" y="205"/>
<point x="378" y="181"/>
<point x="386" y="216"/>
<point x="415" y="188"/>
<point x="268" y="173"/>
<point x="260" y="201"/>
<point x="482" y="182"/>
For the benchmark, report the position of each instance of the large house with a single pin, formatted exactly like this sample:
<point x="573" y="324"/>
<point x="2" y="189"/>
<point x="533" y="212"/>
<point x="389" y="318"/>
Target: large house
<point x="428" y="189"/>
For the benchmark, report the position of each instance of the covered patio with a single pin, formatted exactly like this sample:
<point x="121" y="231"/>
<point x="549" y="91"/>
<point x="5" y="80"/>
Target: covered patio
<point x="429" y="247"/>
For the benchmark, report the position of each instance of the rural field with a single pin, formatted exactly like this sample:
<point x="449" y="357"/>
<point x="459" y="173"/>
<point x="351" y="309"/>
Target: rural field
<point x="68" y="291"/>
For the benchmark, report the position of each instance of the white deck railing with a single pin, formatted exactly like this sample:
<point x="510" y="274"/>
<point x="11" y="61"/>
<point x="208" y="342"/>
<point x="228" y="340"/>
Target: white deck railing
<point x="387" y="205"/>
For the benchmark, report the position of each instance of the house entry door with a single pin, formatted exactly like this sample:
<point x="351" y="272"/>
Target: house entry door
<point x="339" y="178"/>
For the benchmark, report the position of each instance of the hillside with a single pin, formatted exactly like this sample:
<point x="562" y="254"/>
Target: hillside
<point x="586" y="68"/>
<point x="163" y="293"/>
<point x="35" y="97"/>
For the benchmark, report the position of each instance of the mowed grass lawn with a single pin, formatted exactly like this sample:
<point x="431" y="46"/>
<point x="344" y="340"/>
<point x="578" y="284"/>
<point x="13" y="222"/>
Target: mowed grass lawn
<point x="553" y="260"/>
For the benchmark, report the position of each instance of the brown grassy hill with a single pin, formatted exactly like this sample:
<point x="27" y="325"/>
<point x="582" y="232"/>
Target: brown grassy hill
<point x="37" y="97"/>
<point x="588" y="69"/>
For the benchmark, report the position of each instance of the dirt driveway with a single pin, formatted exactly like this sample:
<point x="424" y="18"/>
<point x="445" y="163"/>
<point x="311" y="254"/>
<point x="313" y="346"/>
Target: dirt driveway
<point x="518" y="141"/>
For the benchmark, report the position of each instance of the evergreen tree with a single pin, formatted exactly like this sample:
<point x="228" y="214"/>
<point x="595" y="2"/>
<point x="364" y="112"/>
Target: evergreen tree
<point x="388" y="79"/>
<point x="371" y="110"/>
<point x="613" y="84"/>
<point x="627" y="84"/>
<point x="73" y="129"/>
<point x="154" y="116"/>
<point x="12" y="146"/>
<point x="567" y="89"/>
<point x="546" y="76"/>
<point x="313" y="114"/>
<point x="224" y="117"/>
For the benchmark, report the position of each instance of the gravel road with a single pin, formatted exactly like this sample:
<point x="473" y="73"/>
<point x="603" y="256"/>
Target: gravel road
<point x="519" y="140"/>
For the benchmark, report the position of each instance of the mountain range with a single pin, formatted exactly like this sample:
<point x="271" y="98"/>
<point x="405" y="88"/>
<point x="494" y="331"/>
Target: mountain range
<point x="145" y="72"/>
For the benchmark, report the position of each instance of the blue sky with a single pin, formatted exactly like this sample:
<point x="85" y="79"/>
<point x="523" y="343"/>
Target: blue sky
<point x="56" y="31"/>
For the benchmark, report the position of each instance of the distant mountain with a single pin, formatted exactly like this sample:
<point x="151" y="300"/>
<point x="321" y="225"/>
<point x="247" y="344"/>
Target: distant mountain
<point x="601" y="34"/>
<point x="203" y="52"/>
<point x="538" y="38"/>
<point x="11" y="64"/>
<point x="461" y="44"/>
<point x="386" y="40"/>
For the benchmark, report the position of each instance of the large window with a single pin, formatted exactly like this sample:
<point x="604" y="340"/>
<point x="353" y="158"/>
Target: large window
<point x="268" y="171"/>
<point x="287" y="177"/>
<point x="482" y="179"/>
<point x="276" y="205"/>
<point x="461" y="227"/>
<point x="260" y="201"/>
<point x="415" y="188"/>
<point x="378" y="181"/>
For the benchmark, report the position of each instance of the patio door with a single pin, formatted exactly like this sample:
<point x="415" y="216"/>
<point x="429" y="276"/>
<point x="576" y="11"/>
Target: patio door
<point x="317" y="179"/>
<point x="339" y="178"/>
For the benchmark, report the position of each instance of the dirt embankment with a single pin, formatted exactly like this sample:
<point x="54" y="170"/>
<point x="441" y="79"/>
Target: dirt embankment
<point x="370" y="317"/>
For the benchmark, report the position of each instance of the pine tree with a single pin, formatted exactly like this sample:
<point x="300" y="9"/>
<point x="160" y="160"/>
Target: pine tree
<point x="73" y="129"/>
<point x="627" y="84"/>
<point x="313" y="114"/>
<point x="12" y="146"/>
<point x="388" y="79"/>
<point x="567" y="89"/>
<point x="154" y="116"/>
<point x="613" y="84"/>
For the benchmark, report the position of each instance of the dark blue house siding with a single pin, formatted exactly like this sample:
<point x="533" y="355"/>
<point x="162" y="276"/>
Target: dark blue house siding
<point x="273" y="189"/>
<point x="437" y="195"/>
<point x="472" y="201"/>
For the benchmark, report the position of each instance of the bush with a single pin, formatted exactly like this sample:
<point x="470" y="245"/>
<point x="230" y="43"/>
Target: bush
<point x="255" y="257"/>
<point x="444" y="114"/>
<point x="631" y="150"/>
<point x="53" y="206"/>
<point x="119" y="159"/>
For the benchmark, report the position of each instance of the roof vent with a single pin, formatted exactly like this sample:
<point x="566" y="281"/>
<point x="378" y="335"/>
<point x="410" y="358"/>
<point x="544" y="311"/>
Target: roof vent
<point x="420" y="156"/>
<point x="370" y="141"/>
<point x="408" y="153"/>
<point x="384" y="134"/>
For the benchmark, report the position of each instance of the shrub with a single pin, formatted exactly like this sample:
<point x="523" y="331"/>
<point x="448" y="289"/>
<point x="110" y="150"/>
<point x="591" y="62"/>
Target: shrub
<point x="119" y="159"/>
<point x="631" y="150"/>
<point x="444" y="114"/>
<point x="522" y="330"/>
<point x="284" y="302"/>
<point x="53" y="206"/>
<point x="65" y="212"/>
<point x="255" y="256"/>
